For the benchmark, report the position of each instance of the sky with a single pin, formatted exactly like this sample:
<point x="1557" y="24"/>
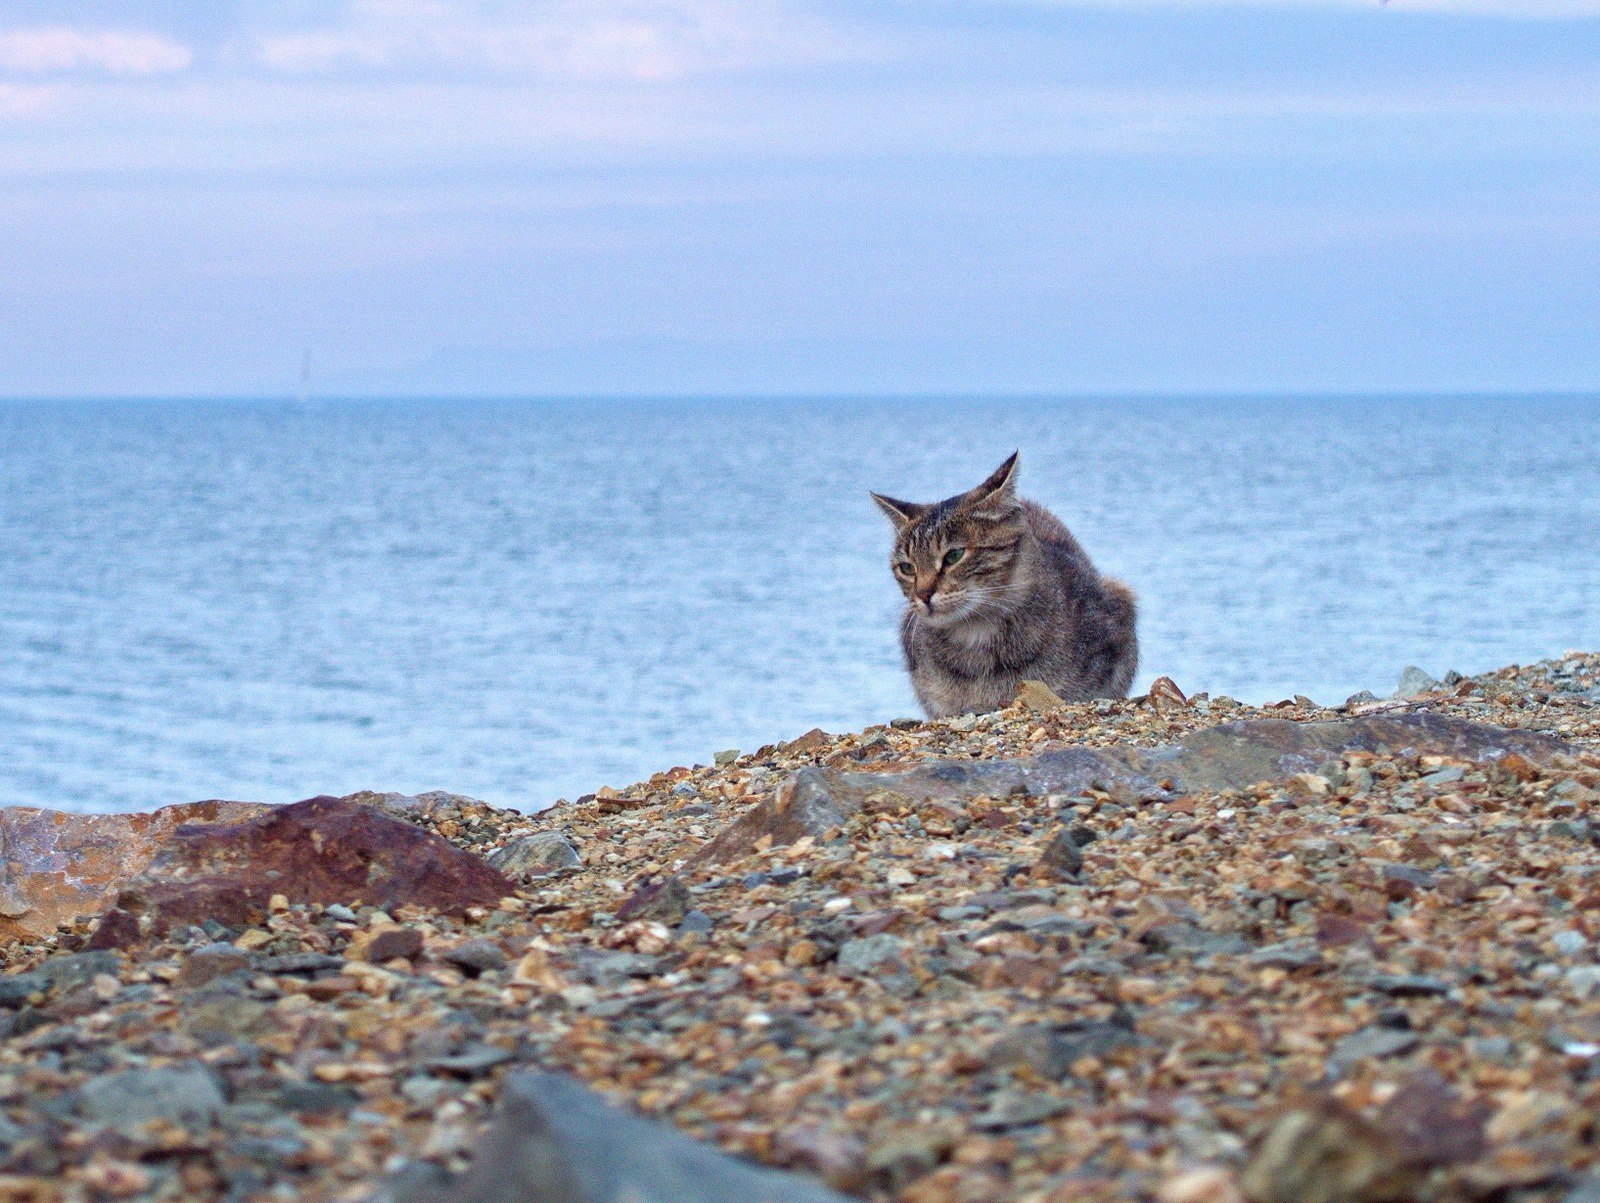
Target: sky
<point x="590" y="197"/>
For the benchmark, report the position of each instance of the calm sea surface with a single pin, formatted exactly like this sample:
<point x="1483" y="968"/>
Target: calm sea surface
<point x="523" y="601"/>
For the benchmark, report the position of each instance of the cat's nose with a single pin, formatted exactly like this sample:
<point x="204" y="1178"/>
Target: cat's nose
<point x="925" y="594"/>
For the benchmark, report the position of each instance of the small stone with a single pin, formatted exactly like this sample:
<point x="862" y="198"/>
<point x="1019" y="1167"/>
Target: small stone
<point x="1062" y="854"/>
<point x="813" y="740"/>
<point x="1021" y="1111"/>
<point x="1402" y="881"/>
<point x="838" y="1158"/>
<point x="1166" y="696"/>
<point x="866" y="956"/>
<point x="536" y="855"/>
<point x="906" y="1156"/>
<point x="209" y="963"/>
<point x="17" y="988"/>
<point x="1570" y="943"/>
<point x="116" y="929"/>
<point x="316" y="1098"/>
<point x="726" y="757"/>
<point x="1587" y="1190"/>
<point x="307" y="964"/>
<point x="1409" y="985"/>
<point x="664" y="900"/>
<point x="1364" y="698"/>
<point x="1082" y="834"/>
<point x="184" y="1095"/>
<point x="1187" y="940"/>
<point x="1374" y="1042"/>
<point x="1291" y="954"/>
<point x="1210" y="1185"/>
<point x="1037" y="697"/>
<point x="696" y="922"/>
<point x="1415" y="683"/>
<point x="79" y="969"/>
<point x="1584" y="980"/>
<point x="1328" y="1154"/>
<point x="425" y="1091"/>
<point x="1491" y="1048"/>
<point x="404" y="943"/>
<point x="1051" y="1052"/>
<point x="475" y="957"/>
<point x="471" y="1062"/>
<point x="1578" y="830"/>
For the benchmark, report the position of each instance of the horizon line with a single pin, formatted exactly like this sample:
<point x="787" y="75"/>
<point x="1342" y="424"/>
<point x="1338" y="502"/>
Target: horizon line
<point x="1287" y="394"/>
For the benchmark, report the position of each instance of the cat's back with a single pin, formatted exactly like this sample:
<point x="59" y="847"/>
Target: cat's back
<point x="1108" y="605"/>
<point x="1052" y="532"/>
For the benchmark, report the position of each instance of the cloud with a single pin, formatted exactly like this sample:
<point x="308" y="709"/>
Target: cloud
<point x="1521" y="9"/>
<point x="51" y="49"/>
<point x="643" y="40"/>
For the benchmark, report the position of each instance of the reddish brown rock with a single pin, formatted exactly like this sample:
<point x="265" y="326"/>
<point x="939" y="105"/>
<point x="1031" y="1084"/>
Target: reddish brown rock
<point x="117" y="929"/>
<point x="323" y="850"/>
<point x="811" y="741"/>
<point x="402" y="942"/>
<point x="1165" y="694"/>
<point x="57" y="867"/>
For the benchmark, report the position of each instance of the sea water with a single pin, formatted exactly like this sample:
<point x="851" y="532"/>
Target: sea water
<point x="524" y="601"/>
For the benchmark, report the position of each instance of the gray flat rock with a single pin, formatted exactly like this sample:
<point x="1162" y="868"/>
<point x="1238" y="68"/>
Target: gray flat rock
<point x="556" y="1141"/>
<point x="186" y="1095"/>
<point x="816" y="800"/>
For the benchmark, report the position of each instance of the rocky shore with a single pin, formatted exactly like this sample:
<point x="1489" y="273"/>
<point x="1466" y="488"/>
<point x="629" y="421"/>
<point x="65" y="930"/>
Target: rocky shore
<point x="1172" y="949"/>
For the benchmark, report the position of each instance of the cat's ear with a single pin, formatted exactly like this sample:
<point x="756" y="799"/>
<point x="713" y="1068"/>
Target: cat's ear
<point x="901" y="513"/>
<point x="997" y="495"/>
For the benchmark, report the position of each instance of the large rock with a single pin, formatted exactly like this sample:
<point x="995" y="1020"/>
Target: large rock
<point x="811" y="802"/>
<point x="556" y="1141"/>
<point x="1233" y="756"/>
<point x="323" y="850"/>
<point x="57" y="867"/>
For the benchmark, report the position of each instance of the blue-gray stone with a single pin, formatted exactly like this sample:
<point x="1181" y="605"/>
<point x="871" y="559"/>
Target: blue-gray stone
<point x="187" y="1095"/>
<point x="556" y="1141"/>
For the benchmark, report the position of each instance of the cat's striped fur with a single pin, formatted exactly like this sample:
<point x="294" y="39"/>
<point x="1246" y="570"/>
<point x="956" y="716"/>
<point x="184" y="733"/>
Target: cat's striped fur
<point x="999" y="592"/>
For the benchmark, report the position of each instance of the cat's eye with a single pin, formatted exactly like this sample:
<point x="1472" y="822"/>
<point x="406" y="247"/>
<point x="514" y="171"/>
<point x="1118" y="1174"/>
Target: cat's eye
<point x="953" y="556"/>
<point x="904" y="568"/>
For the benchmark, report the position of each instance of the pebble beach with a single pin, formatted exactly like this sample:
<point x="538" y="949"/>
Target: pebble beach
<point x="1060" y="952"/>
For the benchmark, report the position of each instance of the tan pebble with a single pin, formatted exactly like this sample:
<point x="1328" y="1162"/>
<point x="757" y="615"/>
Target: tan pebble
<point x="802" y="952"/>
<point x="107" y="1179"/>
<point x="1211" y="1185"/>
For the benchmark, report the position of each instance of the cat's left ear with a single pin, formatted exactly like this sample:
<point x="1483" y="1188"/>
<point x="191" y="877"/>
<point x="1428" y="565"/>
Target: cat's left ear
<point x="997" y="495"/>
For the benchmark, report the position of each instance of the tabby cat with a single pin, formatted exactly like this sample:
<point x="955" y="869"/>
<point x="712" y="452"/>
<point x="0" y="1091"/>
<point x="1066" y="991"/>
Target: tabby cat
<point x="999" y="592"/>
